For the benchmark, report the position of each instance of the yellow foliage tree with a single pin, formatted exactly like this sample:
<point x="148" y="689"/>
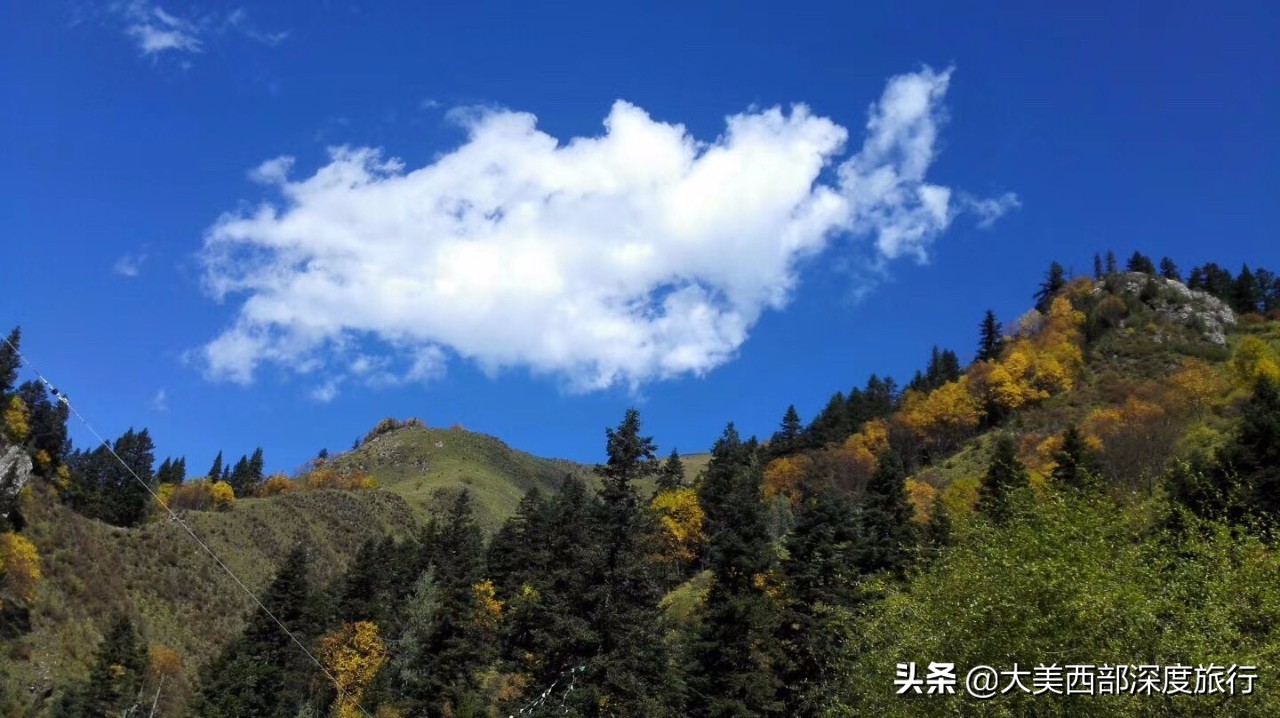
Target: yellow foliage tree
<point x="943" y="416"/>
<point x="784" y="476"/>
<point x="16" y="421"/>
<point x="681" y="518"/>
<point x="1198" y="384"/>
<point x="488" y="608"/>
<point x="222" y="495"/>
<point x="163" y="662"/>
<point x="865" y="447"/>
<point x="353" y="655"/>
<point x="921" y="496"/>
<point x="20" y="566"/>
<point x="1047" y="359"/>
<point x="276" y="484"/>
<point x="1254" y="358"/>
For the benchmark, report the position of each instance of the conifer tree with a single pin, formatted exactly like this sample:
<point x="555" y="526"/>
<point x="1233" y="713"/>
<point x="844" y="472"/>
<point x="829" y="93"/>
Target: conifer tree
<point x="257" y="466"/>
<point x="736" y="676"/>
<point x="241" y="477"/>
<point x="788" y="438"/>
<point x="888" y="535"/>
<point x="1005" y="476"/>
<point x="990" y="338"/>
<point x="215" y="471"/>
<point x="47" y="426"/>
<point x="1246" y="297"/>
<point x="938" y="531"/>
<point x="1074" y="467"/>
<point x="115" y="678"/>
<point x="1054" y="280"/>
<point x="671" y="475"/>
<point x="1169" y="270"/>
<point x="1097" y="266"/>
<point x="9" y="361"/>
<point x="1251" y="459"/>
<point x="1140" y="262"/>
<point x="1111" y="262"/>
<point x="831" y="424"/>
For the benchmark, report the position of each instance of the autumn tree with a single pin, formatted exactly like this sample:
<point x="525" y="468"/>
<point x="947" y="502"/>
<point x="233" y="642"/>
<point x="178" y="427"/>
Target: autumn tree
<point x="352" y="655"/>
<point x="681" y="537"/>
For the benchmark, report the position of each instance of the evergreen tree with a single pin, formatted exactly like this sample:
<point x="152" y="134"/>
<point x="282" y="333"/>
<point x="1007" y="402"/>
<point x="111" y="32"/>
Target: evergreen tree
<point x="736" y="676"/>
<point x="938" y="531"/>
<point x="1054" y="280"/>
<point x="1269" y="288"/>
<point x="888" y="535"/>
<point x="1249" y="465"/>
<point x="1247" y="296"/>
<point x="1005" y="476"/>
<point x="821" y="582"/>
<point x="1169" y="270"/>
<point x="47" y="427"/>
<point x="257" y="467"/>
<point x="1111" y="262"/>
<point x="1140" y="262"/>
<point x="831" y="424"/>
<point x="215" y="471"/>
<point x="1097" y="266"/>
<point x="241" y="478"/>
<point x="1074" y="467"/>
<point x="990" y="338"/>
<point x="9" y="361"/>
<point x="671" y="475"/>
<point x="632" y="670"/>
<point x="788" y="438"/>
<point x="263" y="672"/>
<point x="115" y="679"/>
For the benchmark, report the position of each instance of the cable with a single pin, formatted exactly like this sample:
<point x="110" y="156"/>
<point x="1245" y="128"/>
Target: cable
<point x="62" y="397"/>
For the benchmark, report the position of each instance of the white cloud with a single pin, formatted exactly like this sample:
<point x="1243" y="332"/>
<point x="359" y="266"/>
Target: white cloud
<point x="989" y="209"/>
<point x="155" y="30"/>
<point x="130" y="265"/>
<point x="160" y="402"/>
<point x="326" y="392"/>
<point x="636" y="255"/>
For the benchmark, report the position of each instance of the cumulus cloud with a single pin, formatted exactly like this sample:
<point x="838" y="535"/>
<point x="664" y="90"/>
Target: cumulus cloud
<point x="160" y="402"/>
<point x="636" y="255"/>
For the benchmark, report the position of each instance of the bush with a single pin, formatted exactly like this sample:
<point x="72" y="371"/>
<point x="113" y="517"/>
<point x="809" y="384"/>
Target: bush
<point x="202" y="495"/>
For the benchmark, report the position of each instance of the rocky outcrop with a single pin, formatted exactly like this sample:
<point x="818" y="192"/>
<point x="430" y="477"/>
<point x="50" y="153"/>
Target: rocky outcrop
<point x="1175" y="302"/>
<point x="15" y="472"/>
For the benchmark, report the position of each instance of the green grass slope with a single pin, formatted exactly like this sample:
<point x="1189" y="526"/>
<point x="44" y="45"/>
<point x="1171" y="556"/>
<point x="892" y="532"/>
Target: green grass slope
<point x="158" y="575"/>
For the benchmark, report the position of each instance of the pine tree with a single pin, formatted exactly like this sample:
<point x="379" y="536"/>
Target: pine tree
<point x="9" y="361"/>
<point x="671" y="475"/>
<point x="115" y="678"/>
<point x="1246" y="297"/>
<point x="1169" y="270"/>
<point x="257" y="467"/>
<point x="215" y="471"/>
<point x="262" y="672"/>
<point x="736" y="675"/>
<point x="1097" y="266"/>
<point x="788" y="438"/>
<point x="888" y="535"/>
<point x="831" y="424"/>
<point x="1140" y="262"/>
<point x="938" y="531"/>
<point x="1005" y="476"/>
<point x="47" y="427"/>
<point x="241" y="478"/>
<point x="1111" y="262"/>
<point x="1054" y="280"/>
<point x="1074" y="467"/>
<point x="990" y="339"/>
<point x="1249" y="465"/>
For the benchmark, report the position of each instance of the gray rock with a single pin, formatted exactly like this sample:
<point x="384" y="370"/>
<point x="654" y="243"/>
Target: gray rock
<point x="15" y="472"/>
<point x="1176" y="303"/>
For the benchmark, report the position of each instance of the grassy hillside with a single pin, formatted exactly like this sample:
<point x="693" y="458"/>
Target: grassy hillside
<point x="159" y="576"/>
<point x="421" y="464"/>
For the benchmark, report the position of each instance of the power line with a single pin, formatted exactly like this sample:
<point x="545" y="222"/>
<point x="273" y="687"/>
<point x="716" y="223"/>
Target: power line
<point x="62" y="397"/>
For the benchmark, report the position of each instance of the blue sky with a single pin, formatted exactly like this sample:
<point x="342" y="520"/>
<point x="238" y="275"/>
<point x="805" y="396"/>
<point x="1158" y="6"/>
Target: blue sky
<point x="505" y="277"/>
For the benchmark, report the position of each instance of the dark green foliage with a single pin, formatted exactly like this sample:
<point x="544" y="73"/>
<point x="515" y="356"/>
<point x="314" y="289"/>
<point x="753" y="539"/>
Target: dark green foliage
<point x="241" y="478"/>
<point x="1252" y="458"/>
<point x="671" y="475"/>
<point x="115" y="680"/>
<point x="1213" y="279"/>
<point x="9" y="361"/>
<point x="1097" y="266"/>
<point x="888" y="535"/>
<point x="216" y="470"/>
<point x="1075" y="467"/>
<point x="102" y="488"/>
<point x="1005" y="476"/>
<point x="172" y="471"/>
<point x="1169" y="270"/>
<point x="938" y="531"/>
<point x="736" y="663"/>
<point x="1111" y="262"/>
<point x="1247" y="296"/>
<point x="263" y="672"/>
<point x="1054" y="280"/>
<point x="832" y="424"/>
<point x="990" y="338"/>
<point x="943" y="367"/>
<point x="48" y="422"/>
<point x="789" y="436"/>
<point x="1140" y="262"/>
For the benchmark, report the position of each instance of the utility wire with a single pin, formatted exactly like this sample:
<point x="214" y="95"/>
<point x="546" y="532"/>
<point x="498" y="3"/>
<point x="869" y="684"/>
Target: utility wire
<point x="62" y="397"/>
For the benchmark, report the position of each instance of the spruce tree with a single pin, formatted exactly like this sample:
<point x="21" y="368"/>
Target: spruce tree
<point x="831" y="424"/>
<point x="1005" y="476"/>
<point x="1249" y="465"/>
<point x="47" y="440"/>
<point x="9" y="361"/>
<point x="671" y="475"/>
<point x="990" y="338"/>
<point x="736" y="674"/>
<point x="1097" y="266"/>
<point x="1111" y="262"/>
<point x="1140" y="262"/>
<point x="241" y="478"/>
<point x="1246" y="297"/>
<point x="257" y="467"/>
<point x="1054" y="280"/>
<point x="888" y="536"/>
<point x="788" y="438"/>
<point x="1074" y="467"/>
<point x="215" y="471"/>
<point x="115" y="679"/>
<point x="1169" y="270"/>
<point x="938" y="531"/>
